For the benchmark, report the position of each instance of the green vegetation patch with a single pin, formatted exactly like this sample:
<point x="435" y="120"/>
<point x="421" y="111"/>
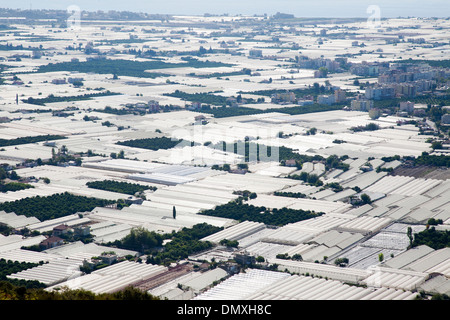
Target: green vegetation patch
<point x="119" y="186"/>
<point x="433" y="63"/>
<point x="207" y="98"/>
<point x="139" y="239"/>
<point x="8" y="267"/>
<point x="315" y="90"/>
<point x="254" y="151"/>
<point x="54" y="206"/>
<point x="277" y="217"/>
<point x="14" y="186"/>
<point x="153" y="143"/>
<point x="184" y="243"/>
<point x="122" y="67"/>
<point x="223" y="111"/>
<point x="436" y="161"/>
<point x="433" y="238"/>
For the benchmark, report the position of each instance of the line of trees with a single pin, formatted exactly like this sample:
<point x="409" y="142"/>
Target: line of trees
<point x="52" y="98"/>
<point x="224" y="112"/>
<point x="315" y="90"/>
<point x="14" y="186"/>
<point x="368" y="127"/>
<point x="9" y="291"/>
<point x="24" y="140"/>
<point x="311" y="178"/>
<point x="207" y="98"/>
<point x="289" y="194"/>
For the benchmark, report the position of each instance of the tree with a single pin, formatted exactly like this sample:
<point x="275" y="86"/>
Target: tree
<point x="380" y="257"/>
<point x="323" y="71"/>
<point x="63" y="149"/>
<point x="3" y="174"/>
<point x="372" y="126"/>
<point x="436" y="145"/>
<point x="140" y="239"/>
<point x="341" y="262"/>
<point x="46" y="180"/>
<point x="410" y="236"/>
<point x="365" y="199"/>
<point x="311" y="131"/>
<point x="14" y="175"/>
<point x="297" y="257"/>
<point x="174" y="212"/>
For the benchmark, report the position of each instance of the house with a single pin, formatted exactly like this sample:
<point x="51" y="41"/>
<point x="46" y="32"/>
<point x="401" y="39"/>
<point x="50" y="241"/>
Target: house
<point x="291" y="163"/>
<point x="61" y="229"/>
<point x="255" y="53"/>
<point x="201" y="119"/>
<point x="77" y="79"/>
<point x="194" y="106"/>
<point x="51" y="242"/>
<point x="59" y="81"/>
<point x="326" y="99"/>
<point x="283" y="97"/>
<point x="361" y="105"/>
<point x="243" y="257"/>
<point x="134" y="200"/>
<point x="239" y="171"/>
<point x="82" y="231"/>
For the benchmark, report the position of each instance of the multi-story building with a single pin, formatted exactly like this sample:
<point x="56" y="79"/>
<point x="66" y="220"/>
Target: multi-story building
<point x="361" y="105"/>
<point x="339" y="96"/>
<point x="283" y="97"/>
<point x="407" y="106"/>
<point x="378" y="92"/>
<point x="255" y="53"/>
<point x="326" y="99"/>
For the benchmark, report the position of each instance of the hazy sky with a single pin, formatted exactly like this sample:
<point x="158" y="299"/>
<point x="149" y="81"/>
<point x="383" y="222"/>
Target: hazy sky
<point x="300" y="8"/>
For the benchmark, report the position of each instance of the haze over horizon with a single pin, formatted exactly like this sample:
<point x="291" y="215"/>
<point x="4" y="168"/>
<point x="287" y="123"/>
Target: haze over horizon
<point x="300" y="8"/>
